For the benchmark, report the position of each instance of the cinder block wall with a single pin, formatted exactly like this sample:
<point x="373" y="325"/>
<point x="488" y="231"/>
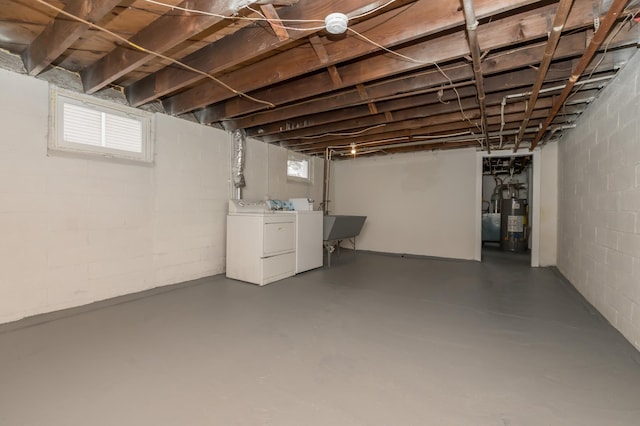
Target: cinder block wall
<point x="599" y="203"/>
<point x="74" y="230"/>
<point x="80" y="229"/>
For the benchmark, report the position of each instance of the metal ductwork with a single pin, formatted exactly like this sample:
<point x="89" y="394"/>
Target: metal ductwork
<point x="237" y="165"/>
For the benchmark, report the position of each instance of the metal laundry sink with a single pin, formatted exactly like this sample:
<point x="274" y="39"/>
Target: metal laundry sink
<point x="337" y="228"/>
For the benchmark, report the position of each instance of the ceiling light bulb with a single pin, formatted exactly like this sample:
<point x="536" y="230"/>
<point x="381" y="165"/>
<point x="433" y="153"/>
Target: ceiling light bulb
<point x="353" y="148"/>
<point x="336" y="23"/>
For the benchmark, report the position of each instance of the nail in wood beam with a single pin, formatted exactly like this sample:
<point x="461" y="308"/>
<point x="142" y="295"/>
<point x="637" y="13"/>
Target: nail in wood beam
<point x="274" y="20"/>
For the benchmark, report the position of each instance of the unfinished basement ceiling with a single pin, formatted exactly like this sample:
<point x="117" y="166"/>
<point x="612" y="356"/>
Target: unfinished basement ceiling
<point x="406" y="75"/>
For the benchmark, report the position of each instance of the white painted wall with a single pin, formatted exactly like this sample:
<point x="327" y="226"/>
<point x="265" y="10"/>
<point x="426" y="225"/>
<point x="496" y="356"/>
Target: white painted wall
<point x="76" y="230"/>
<point x="599" y="210"/>
<point x="421" y="203"/>
<point x="548" y="253"/>
<point x="263" y="160"/>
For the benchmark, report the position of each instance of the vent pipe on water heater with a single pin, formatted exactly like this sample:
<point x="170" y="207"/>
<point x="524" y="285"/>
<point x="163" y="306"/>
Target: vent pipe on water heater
<point x="237" y="165"/>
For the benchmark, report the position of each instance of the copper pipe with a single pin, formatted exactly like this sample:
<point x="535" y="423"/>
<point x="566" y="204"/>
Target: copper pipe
<point x="605" y="27"/>
<point x="562" y="12"/>
<point x="474" y="47"/>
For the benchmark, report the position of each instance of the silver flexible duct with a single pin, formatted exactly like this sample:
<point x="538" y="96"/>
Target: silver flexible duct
<point x="237" y="165"/>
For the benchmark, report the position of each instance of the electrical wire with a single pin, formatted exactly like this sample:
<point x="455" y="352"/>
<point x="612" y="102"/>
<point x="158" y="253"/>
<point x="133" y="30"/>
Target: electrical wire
<point x="273" y="22"/>
<point x="153" y="53"/>
<point x="348" y="134"/>
<point x="277" y="23"/>
<point x="420" y="62"/>
<point x="629" y="16"/>
<point x="242" y="18"/>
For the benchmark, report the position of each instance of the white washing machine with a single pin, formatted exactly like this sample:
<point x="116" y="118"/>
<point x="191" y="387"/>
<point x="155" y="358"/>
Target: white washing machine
<point x="309" y="249"/>
<point x="309" y="225"/>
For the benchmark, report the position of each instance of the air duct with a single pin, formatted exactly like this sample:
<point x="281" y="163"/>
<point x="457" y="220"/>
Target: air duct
<point x="237" y="166"/>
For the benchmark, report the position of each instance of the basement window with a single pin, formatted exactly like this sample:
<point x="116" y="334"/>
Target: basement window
<point x="85" y="125"/>
<point x="298" y="168"/>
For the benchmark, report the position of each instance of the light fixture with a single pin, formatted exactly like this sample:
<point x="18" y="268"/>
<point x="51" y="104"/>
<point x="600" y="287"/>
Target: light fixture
<point x="353" y="148"/>
<point x="336" y="23"/>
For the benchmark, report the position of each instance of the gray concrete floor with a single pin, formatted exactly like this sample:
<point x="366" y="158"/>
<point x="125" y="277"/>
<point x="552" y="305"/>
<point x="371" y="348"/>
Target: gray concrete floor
<point x="375" y="340"/>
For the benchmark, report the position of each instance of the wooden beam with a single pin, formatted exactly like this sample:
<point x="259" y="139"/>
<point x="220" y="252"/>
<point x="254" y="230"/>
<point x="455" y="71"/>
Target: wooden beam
<point x="605" y="27"/>
<point x="274" y="20"/>
<point x="313" y="111"/>
<point x="234" y="49"/>
<point x="277" y="2"/>
<point x="451" y="122"/>
<point x="527" y="26"/>
<point x="554" y="38"/>
<point x="389" y="29"/>
<point x="400" y="116"/>
<point x="474" y="47"/>
<point x="169" y="30"/>
<point x="428" y="104"/>
<point x="439" y="130"/>
<point x="62" y="32"/>
<point x="410" y="83"/>
<point x="335" y="76"/>
<point x="318" y="47"/>
<point x="362" y="91"/>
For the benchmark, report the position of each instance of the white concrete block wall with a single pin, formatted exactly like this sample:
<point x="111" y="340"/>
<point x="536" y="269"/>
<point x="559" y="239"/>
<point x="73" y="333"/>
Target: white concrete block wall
<point x="74" y="230"/>
<point x="599" y="207"/>
<point x="192" y="189"/>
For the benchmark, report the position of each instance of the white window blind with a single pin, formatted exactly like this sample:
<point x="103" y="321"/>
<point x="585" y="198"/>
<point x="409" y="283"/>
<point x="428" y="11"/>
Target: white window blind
<point x="82" y="125"/>
<point x="88" y="125"/>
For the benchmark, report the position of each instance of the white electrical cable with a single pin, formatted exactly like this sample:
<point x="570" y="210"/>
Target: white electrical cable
<point x="362" y="36"/>
<point x="356" y="133"/>
<point x="417" y="61"/>
<point x="154" y="53"/>
<point x="276" y="23"/>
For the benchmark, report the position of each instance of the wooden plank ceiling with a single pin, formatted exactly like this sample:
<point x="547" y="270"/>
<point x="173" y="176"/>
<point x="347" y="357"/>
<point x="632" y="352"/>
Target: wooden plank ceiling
<point x="406" y="75"/>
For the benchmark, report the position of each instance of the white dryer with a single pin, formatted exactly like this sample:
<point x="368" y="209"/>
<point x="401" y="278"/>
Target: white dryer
<point x="261" y="244"/>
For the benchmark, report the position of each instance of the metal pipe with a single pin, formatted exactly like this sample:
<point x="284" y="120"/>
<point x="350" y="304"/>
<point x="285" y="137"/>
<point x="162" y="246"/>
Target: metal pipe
<point x="556" y="129"/>
<point x="562" y="12"/>
<point x="548" y="89"/>
<point x="474" y="47"/>
<point x="559" y="87"/>
<point x="327" y="171"/>
<point x="598" y="38"/>
<point x="430" y="141"/>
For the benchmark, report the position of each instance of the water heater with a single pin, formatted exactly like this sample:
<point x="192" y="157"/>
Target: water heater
<point x="514" y="228"/>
